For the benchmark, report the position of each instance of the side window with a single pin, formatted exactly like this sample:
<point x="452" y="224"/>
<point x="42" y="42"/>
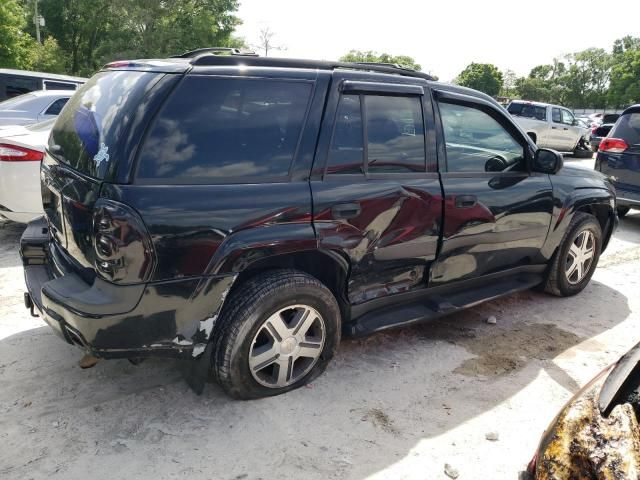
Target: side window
<point x="476" y="142"/>
<point x="51" y="85"/>
<point x="347" y="150"/>
<point x="219" y="128"/>
<point x="567" y="117"/>
<point x="395" y="135"/>
<point x="555" y="115"/>
<point x="15" y="86"/>
<point x="56" y="107"/>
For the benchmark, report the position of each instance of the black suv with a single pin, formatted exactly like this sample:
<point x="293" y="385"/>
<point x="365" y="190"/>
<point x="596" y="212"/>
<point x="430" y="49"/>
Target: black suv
<point x="619" y="158"/>
<point x="244" y="212"/>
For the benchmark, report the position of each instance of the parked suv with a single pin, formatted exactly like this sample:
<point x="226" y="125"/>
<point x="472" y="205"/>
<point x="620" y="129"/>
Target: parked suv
<point x="244" y="212"/>
<point x="619" y="158"/>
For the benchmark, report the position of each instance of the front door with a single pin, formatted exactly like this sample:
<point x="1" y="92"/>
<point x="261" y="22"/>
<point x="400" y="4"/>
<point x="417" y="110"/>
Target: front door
<point x="496" y="213"/>
<point x="376" y="192"/>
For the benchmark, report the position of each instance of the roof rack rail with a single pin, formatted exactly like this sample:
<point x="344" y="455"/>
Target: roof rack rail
<point x="205" y="58"/>
<point x="390" y="65"/>
<point x="216" y="51"/>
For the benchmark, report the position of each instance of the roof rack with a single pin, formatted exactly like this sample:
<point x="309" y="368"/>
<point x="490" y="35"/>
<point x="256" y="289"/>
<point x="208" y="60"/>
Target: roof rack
<point x="208" y="57"/>
<point x="216" y="51"/>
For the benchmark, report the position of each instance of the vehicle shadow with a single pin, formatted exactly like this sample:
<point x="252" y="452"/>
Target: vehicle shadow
<point x="380" y="397"/>
<point x="10" y="233"/>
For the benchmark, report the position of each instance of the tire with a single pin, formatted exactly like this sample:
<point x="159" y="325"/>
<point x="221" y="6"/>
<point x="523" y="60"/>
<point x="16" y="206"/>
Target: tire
<point x="622" y="211"/>
<point x="558" y="282"/>
<point x="260" y="311"/>
<point x="582" y="150"/>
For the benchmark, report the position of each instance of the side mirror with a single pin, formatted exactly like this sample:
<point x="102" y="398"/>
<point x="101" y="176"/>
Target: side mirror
<point x="547" y="161"/>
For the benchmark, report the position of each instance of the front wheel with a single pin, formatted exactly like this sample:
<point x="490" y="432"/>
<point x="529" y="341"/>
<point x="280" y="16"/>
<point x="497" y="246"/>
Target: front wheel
<point x="577" y="256"/>
<point x="278" y="331"/>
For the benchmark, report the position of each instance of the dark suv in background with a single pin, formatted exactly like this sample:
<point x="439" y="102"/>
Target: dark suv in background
<point x="244" y="212"/>
<point x="619" y="158"/>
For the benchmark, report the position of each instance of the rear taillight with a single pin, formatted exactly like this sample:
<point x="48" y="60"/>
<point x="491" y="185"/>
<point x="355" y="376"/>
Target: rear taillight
<point x="122" y="246"/>
<point x="13" y="153"/>
<point x="612" y="145"/>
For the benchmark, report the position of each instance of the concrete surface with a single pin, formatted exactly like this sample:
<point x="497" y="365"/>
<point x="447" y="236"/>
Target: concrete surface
<point x="397" y="405"/>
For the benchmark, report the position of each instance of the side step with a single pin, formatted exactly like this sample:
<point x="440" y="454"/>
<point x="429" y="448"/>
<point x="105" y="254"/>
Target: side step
<point x="435" y="305"/>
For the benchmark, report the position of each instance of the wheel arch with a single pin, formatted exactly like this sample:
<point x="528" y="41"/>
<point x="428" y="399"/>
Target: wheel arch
<point x="328" y="266"/>
<point x="605" y="215"/>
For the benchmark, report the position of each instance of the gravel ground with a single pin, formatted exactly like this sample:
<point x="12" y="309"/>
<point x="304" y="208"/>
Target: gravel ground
<point x="397" y="405"/>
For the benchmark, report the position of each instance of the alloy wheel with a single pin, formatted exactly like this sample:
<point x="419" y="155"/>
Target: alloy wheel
<point x="580" y="257"/>
<point x="287" y="346"/>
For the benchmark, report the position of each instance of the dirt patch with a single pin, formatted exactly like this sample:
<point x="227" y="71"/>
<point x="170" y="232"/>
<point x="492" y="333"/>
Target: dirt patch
<point x="503" y="350"/>
<point x="380" y="419"/>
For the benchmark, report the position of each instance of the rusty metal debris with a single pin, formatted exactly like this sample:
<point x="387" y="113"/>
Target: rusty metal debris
<point x="586" y="445"/>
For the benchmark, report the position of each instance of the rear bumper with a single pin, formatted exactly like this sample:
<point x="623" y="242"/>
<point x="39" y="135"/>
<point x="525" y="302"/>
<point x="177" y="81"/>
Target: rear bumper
<point x="170" y="318"/>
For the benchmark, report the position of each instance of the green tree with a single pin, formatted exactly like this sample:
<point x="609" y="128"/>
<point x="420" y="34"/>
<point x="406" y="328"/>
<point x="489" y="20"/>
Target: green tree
<point x="16" y="47"/>
<point x="586" y="78"/>
<point x="48" y="57"/>
<point x="374" y="57"/>
<point x="481" y="76"/>
<point x="625" y="78"/>
<point x="136" y="28"/>
<point x="509" y="84"/>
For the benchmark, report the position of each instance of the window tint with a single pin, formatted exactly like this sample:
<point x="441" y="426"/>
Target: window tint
<point x="567" y="117"/>
<point x="395" y="134"/>
<point x="627" y="128"/>
<point x="527" y="110"/>
<point x="50" y="85"/>
<point x="217" y="128"/>
<point x="56" y="107"/>
<point x="89" y="129"/>
<point x="555" y="115"/>
<point x="15" y="86"/>
<point x="476" y="142"/>
<point x="347" y="151"/>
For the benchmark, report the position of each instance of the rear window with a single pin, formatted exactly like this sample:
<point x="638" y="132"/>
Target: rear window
<point x="627" y="128"/>
<point x="224" y="130"/>
<point x="95" y="118"/>
<point x="528" y="110"/>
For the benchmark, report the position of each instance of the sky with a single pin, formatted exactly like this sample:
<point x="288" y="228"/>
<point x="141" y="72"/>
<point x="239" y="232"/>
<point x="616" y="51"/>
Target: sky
<point x="442" y="36"/>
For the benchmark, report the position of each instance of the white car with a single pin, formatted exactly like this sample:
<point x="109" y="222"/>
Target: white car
<point x="21" y="151"/>
<point x="33" y="107"/>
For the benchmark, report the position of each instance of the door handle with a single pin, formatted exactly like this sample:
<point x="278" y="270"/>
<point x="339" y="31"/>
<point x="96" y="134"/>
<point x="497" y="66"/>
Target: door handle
<point x="554" y="128"/>
<point x="566" y="128"/>
<point x="466" y="201"/>
<point x="345" y="210"/>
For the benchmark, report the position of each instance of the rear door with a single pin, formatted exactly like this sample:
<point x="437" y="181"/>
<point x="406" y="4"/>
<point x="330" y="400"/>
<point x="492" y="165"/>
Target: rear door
<point x="496" y="213"/>
<point x="376" y="191"/>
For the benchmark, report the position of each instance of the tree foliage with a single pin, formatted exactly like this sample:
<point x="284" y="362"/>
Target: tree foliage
<point x="374" y="57"/>
<point x="481" y="76"/>
<point x="95" y="32"/>
<point x="15" y="44"/>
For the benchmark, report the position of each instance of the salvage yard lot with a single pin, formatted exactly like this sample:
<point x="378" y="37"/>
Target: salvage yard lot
<point x="394" y="405"/>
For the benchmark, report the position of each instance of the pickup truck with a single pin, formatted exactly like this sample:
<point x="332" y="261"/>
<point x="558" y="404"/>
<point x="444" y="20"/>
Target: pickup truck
<point x="551" y="126"/>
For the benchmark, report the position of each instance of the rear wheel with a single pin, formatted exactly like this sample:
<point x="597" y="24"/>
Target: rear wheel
<point x="577" y="256"/>
<point x="278" y="331"/>
<point x="622" y="211"/>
